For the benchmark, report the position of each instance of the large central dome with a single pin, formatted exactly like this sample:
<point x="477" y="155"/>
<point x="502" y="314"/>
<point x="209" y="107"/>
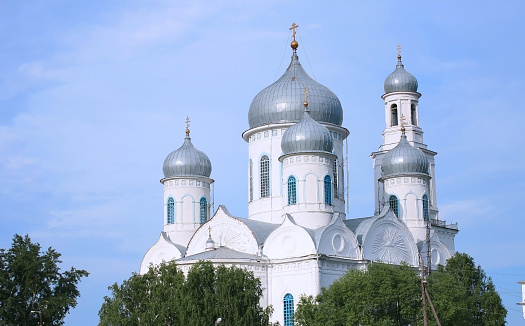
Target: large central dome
<point x="282" y="101"/>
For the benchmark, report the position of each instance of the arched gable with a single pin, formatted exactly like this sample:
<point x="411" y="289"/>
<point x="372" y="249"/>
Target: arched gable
<point x="336" y="239"/>
<point x="289" y="240"/>
<point x="438" y="251"/>
<point x="389" y="240"/>
<point x="226" y="231"/>
<point x="162" y="250"/>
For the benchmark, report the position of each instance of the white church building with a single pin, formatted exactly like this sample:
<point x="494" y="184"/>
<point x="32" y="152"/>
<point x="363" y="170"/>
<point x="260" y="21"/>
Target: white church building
<point x="296" y="237"/>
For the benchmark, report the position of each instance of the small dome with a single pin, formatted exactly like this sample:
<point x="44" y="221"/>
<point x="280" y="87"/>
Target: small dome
<point x="187" y="161"/>
<point x="307" y="135"/>
<point x="282" y="101"/>
<point x="404" y="159"/>
<point x="400" y="80"/>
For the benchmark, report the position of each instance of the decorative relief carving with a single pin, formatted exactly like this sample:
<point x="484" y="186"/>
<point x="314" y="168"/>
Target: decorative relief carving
<point x="389" y="246"/>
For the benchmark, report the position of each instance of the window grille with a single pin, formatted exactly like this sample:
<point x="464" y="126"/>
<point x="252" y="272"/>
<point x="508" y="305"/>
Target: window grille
<point x="288" y="310"/>
<point x="251" y="180"/>
<point x="170" y="210"/>
<point x="203" y="210"/>
<point x="336" y="193"/>
<point x="292" y="191"/>
<point x="394" y="204"/>
<point x="265" y="176"/>
<point x="328" y="190"/>
<point x="425" y="207"/>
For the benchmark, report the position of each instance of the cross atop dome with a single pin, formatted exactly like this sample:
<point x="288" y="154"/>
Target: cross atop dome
<point x="294" y="43"/>
<point x="187" y="125"/>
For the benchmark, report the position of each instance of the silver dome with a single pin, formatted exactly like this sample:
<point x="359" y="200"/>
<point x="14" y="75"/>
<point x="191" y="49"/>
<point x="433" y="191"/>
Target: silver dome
<point x="404" y="159"/>
<point x="187" y="161"/>
<point x="307" y="135"/>
<point x="400" y="80"/>
<point x="282" y="101"/>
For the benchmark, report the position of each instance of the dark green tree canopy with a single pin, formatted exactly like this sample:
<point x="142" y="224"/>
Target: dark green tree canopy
<point x="30" y="280"/>
<point x="164" y="296"/>
<point x="391" y="295"/>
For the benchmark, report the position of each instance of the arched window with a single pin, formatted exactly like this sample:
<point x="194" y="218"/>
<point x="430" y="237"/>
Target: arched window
<point x="336" y="194"/>
<point x="425" y="207"/>
<point x="394" y="204"/>
<point x="413" y="116"/>
<point x="251" y="180"/>
<point x="170" y="211"/>
<point x="292" y="191"/>
<point x="203" y="214"/>
<point x="265" y="176"/>
<point x="393" y="110"/>
<point x="327" y="190"/>
<point x="288" y="310"/>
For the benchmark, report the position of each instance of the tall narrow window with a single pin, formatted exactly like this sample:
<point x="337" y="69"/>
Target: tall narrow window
<point x="288" y="310"/>
<point x="251" y="180"/>
<point x="327" y="190"/>
<point x="170" y="211"/>
<point x="394" y="204"/>
<point x="292" y="191"/>
<point x="413" y="116"/>
<point x="393" y="109"/>
<point x="336" y="193"/>
<point x="203" y="210"/>
<point x="265" y="176"/>
<point x="425" y="207"/>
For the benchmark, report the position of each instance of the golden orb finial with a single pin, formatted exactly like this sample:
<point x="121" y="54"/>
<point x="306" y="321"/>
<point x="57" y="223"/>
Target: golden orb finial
<point x="305" y="103"/>
<point x="187" y="125"/>
<point x="294" y="43"/>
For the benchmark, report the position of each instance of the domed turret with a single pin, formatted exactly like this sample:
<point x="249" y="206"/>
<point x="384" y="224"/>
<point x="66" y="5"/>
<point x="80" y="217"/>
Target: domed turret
<point x="400" y="80"/>
<point x="306" y="136"/>
<point x="281" y="102"/>
<point x="404" y="159"/>
<point x="187" y="161"/>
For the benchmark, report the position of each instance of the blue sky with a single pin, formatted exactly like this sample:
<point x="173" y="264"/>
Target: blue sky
<point x="94" y="94"/>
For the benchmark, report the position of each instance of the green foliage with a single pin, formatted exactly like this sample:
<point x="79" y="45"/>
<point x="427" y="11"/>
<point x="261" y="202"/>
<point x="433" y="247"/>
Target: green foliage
<point x="382" y="295"/>
<point x="30" y="280"/>
<point x="163" y="296"/>
<point x="391" y="295"/>
<point x="465" y="295"/>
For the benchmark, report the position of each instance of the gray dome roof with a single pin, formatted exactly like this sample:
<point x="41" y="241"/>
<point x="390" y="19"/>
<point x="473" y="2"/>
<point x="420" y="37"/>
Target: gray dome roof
<point x="400" y="80"/>
<point x="307" y="135"/>
<point x="404" y="159"/>
<point x="187" y="161"/>
<point x="282" y="101"/>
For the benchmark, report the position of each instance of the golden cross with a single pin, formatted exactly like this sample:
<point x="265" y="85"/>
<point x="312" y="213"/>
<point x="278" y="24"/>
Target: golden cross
<point x="294" y="26"/>
<point x="402" y="120"/>
<point x="399" y="50"/>
<point x="209" y="231"/>
<point x="305" y="94"/>
<point x="187" y="122"/>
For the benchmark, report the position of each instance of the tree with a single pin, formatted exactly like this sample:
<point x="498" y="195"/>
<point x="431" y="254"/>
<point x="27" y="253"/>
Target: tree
<point x="465" y="295"/>
<point x="381" y="295"/>
<point x="391" y="295"/>
<point x="30" y="280"/>
<point x="164" y="296"/>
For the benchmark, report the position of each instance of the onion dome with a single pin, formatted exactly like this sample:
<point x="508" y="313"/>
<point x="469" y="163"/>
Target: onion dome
<point x="404" y="159"/>
<point x="400" y="80"/>
<point x="187" y="161"/>
<point x="281" y="102"/>
<point x="307" y="135"/>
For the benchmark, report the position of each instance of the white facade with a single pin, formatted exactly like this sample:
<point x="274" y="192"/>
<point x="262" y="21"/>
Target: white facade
<point x="296" y="237"/>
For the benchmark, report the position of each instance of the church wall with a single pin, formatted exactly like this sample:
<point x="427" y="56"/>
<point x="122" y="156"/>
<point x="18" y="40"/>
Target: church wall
<point x="186" y="193"/>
